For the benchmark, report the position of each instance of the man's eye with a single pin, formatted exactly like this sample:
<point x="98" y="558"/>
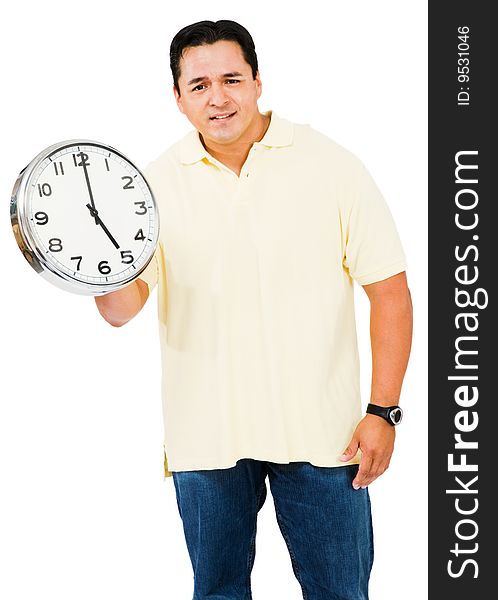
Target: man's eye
<point x="233" y="80"/>
<point x="197" y="87"/>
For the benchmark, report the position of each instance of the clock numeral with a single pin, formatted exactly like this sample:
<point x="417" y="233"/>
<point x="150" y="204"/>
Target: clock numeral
<point x="44" y="189"/>
<point x="142" y="205"/>
<point x="78" y="258"/>
<point x="104" y="267"/>
<point x="60" y="169"/>
<point x="41" y="218"/>
<point x="106" y="164"/>
<point x="84" y="160"/>
<point x="127" y="257"/>
<point x="140" y="235"/>
<point x="55" y="245"/>
<point x="127" y="185"/>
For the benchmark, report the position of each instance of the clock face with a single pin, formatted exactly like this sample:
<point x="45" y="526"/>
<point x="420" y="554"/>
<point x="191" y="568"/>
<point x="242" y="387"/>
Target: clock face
<point x="91" y="215"/>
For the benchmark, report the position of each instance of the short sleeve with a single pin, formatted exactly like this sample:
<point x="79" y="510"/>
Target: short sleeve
<point x="373" y="249"/>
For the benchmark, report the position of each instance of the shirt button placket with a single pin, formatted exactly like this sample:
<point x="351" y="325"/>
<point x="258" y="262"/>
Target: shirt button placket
<point x="244" y="176"/>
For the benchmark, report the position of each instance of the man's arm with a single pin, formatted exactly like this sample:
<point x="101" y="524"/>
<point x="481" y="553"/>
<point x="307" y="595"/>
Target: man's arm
<point x="119" y="307"/>
<point x="391" y="323"/>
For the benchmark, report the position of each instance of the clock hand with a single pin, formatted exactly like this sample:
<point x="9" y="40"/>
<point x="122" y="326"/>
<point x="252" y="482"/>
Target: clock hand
<point x="95" y="213"/>
<point x="83" y="164"/>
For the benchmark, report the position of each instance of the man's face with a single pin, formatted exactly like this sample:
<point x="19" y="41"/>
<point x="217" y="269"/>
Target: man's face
<point x="216" y="81"/>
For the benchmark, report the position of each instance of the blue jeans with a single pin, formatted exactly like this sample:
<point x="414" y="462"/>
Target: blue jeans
<point x="326" y="525"/>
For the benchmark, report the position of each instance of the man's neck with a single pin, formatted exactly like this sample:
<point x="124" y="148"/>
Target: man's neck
<point x="234" y="155"/>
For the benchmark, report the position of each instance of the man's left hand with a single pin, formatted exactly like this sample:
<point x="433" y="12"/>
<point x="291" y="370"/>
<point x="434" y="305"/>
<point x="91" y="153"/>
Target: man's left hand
<point x="375" y="438"/>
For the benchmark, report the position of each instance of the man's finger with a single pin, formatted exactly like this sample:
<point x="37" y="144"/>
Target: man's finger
<point x="377" y="466"/>
<point x="364" y="471"/>
<point x="350" y="451"/>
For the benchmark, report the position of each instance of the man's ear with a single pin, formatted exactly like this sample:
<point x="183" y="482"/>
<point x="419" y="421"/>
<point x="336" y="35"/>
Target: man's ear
<point x="178" y="98"/>
<point x="258" y="83"/>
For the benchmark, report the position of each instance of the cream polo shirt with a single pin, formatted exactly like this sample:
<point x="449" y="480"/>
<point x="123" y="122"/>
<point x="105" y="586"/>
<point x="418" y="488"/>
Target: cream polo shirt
<point x="255" y="297"/>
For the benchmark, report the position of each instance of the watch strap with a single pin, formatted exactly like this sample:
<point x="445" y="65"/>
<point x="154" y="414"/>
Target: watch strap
<point x="392" y="414"/>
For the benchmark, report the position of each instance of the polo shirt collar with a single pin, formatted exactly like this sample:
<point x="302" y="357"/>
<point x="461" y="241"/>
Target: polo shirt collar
<point x="280" y="133"/>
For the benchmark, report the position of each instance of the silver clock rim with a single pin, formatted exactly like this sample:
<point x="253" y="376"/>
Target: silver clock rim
<point x="26" y="240"/>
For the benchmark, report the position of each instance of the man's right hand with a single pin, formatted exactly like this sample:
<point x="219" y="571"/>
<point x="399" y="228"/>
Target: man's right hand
<point x="119" y="307"/>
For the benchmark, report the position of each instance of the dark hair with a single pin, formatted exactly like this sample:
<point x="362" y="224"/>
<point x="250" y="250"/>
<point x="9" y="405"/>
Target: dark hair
<point x="209" y="32"/>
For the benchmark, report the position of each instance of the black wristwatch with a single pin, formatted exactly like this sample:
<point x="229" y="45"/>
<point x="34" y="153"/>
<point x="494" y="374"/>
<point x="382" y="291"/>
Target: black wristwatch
<point x="392" y="414"/>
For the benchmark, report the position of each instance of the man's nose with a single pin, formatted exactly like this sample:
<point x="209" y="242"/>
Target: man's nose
<point x="218" y="95"/>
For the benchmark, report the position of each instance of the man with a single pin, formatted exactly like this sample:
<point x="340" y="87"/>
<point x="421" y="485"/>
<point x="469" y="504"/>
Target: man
<point x="264" y="226"/>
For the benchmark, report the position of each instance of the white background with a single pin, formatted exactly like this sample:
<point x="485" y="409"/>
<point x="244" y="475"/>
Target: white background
<point x="84" y="510"/>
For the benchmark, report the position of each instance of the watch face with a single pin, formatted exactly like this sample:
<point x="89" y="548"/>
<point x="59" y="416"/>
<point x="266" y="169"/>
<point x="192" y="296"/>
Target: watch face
<point x="396" y="414"/>
<point x="90" y="216"/>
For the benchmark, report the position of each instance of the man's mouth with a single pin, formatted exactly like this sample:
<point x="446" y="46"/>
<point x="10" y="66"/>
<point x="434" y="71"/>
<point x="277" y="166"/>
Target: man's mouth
<point x="221" y="116"/>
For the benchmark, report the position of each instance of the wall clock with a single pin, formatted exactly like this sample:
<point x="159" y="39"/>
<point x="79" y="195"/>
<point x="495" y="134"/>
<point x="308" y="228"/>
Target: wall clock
<point x="84" y="217"/>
